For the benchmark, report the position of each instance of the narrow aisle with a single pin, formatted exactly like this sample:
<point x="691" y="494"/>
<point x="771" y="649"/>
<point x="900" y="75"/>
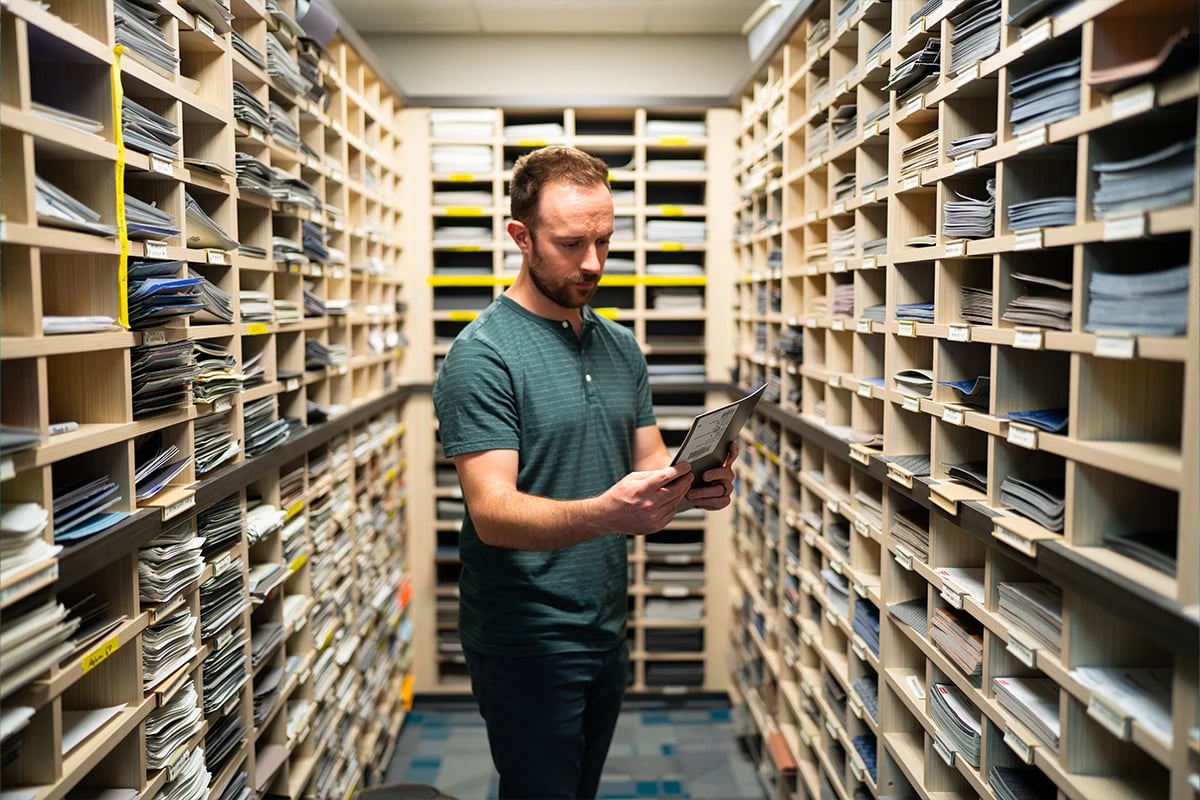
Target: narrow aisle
<point x="669" y="751"/>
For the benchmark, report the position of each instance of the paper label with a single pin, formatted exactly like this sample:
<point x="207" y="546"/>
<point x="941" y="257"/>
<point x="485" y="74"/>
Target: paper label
<point x="222" y="405"/>
<point x="1111" y="719"/>
<point x="837" y="324"/>
<point x="835" y="381"/>
<point x="671" y="211"/>
<point x="295" y="508"/>
<point x="861" y="456"/>
<point x="873" y="64"/>
<point x="915" y="104"/>
<point x="1132" y="226"/>
<point x="205" y="27"/>
<point x="859" y="647"/>
<point x="1124" y="347"/>
<point x="916" y="28"/>
<point x="179" y="507"/>
<point x="911" y="404"/>
<point x="156" y="249"/>
<point x="914" y="686"/>
<point x="291" y="384"/>
<point x="255" y="133"/>
<point x="871" y="130"/>
<point x="1028" y="240"/>
<point x="154" y="337"/>
<point x="911" y="182"/>
<point x="1035" y="35"/>
<point x="675" y="591"/>
<point x="1018" y="746"/>
<point x="863" y="326"/>
<point x="956" y="249"/>
<point x="298" y="562"/>
<point x="1019" y="649"/>
<point x="954" y="416"/>
<point x="906" y="328"/>
<point x="811" y="322"/>
<point x="1022" y="436"/>
<point x="903" y="558"/>
<point x="1137" y="100"/>
<point x="831" y="616"/>
<point x="839" y="265"/>
<point x="98" y="654"/>
<point x="1034" y="137"/>
<point x="214" y="256"/>
<point x="256" y="328"/>
<point x="967" y="75"/>
<point x="958" y="333"/>
<point x="1021" y="545"/>
<point x="1028" y="340"/>
<point x="674" y="141"/>
<point x="811" y="269"/>
<point x="867" y="199"/>
<point x="965" y="162"/>
<point x="943" y="750"/>
<point x="461" y="177"/>
<point x="671" y="247"/>
<point x="222" y="563"/>
<point x="839" y="207"/>
<point x="160" y="165"/>
<point x="836" y="566"/>
<point x="862" y="528"/>
<point x="951" y="597"/>
<point x="840" y="88"/>
<point x="856" y="707"/>
<point x="864" y="390"/>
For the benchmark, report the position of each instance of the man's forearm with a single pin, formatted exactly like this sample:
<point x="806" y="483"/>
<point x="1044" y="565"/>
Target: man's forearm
<point x="520" y="521"/>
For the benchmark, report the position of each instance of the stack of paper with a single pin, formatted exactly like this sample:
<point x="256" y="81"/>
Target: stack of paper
<point x="683" y="610"/>
<point x="676" y="230"/>
<point x="1145" y="303"/>
<point x="866" y="623"/>
<point x="265" y="636"/>
<point x="844" y="187"/>
<point x="213" y="443"/>
<point x="246" y="49"/>
<point x="914" y="382"/>
<point x="217" y="374"/>
<point x="61" y="117"/>
<point x="1045" y="212"/>
<point x="910" y="529"/>
<point x="920" y="154"/>
<point x="1141" y="693"/>
<point x="976" y="305"/>
<point x="252" y="174"/>
<point x="262" y="519"/>
<point x="290" y="190"/>
<point x="167" y="646"/>
<point x="818" y="34"/>
<point x="318" y="354"/>
<point x="21" y="542"/>
<point x="462" y="123"/>
<point x="842" y="299"/>
<point x="1034" y="703"/>
<point x="267" y="685"/>
<point x="191" y="779"/>
<point x="249" y="109"/>
<point x="866" y="747"/>
<point x="1024" y="13"/>
<point x="263" y="431"/>
<point x="1157" y="548"/>
<point x="147" y="221"/>
<point x="960" y="636"/>
<point x="1041" y="501"/>
<point x="285" y="250"/>
<point x="534" y="130"/>
<point x="968" y="217"/>
<point x="80" y="508"/>
<point x="881" y="46"/>
<point x="222" y="740"/>
<point x="33" y="636"/>
<point x="1159" y="179"/>
<point x="844" y="122"/>
<point x="283" y="68"/>
<point x="287" y="312"/>
<point x="136" y="27"/>
<point x="976" y="33"/>
<point x="1047" y="94"/>
<point x="1034" y="608"/>
<point x="462" y="158"/>
<point x="972" y="473"/>
<point x="657" y="128"/>
<point x="680" y="298"/>
<point x="1021" y="783"/>
<point x="222" y="600"/>
<point x="147" y="132"/>
<point x="956" y="719"/>
<point x="156" y="464"/>
<point x="972" y="392"/>
<point x="918" y="72"/>
<point x="837" y="592"/>
<point x="1051" y="420"/>
<point x="283" y="129"/>
<point x="256" y="306"/>
<point x="253" y="373"/>
<point x="968" y="144"/>
<point x="220" y="526"/>
<point x="58" y="209"/>
<point x="161" y="376"/>
<point x="841" y="244"/>
<point x="1045" y="302"/>
<point x="918" y="312"/>
<point x="916" y="464"/>
<point x="203" y="231"/>
<point x="867" y="689"/>
<point x="157" y="301"/>
<point x="877" y="115"/>
<point x="169" y="563"/>
<point x="225" y="671"/>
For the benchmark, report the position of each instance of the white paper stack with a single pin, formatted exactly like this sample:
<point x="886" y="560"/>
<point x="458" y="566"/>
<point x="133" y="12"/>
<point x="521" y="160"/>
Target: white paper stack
<point x="1034" y="703"/>
<point x="462" y="123"/>
<point x="167" y="646"/>
<point x="957" y="720"/>
<point x="169" y="563"/>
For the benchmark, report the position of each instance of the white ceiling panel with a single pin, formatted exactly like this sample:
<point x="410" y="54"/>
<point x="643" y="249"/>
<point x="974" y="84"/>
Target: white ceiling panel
<point x="562" y="16"/>
<point x="698" y="16"/>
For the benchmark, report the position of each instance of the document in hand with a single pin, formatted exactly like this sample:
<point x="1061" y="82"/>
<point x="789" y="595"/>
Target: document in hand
<point x="708" y="438"/>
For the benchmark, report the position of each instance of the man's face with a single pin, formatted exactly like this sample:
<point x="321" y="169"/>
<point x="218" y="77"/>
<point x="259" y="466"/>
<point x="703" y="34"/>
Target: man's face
<point x="566" y="254"/>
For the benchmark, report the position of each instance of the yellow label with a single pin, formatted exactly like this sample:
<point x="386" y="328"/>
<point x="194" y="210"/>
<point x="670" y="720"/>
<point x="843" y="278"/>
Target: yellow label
<point x="463" y="316"/>
<point x="465" y="248"/>
<point x="618" y="280"/>
<point x="671" y="247"/>
<point x="461" y="280"/>
<point x="464" y="211"/>
<point x="257" y="329"/>
<point x="97" y="656"/>
<point x="674" y="141"/>
<point x="531" y="142"/>
<point x="611" y="176"/>
<point x="299" y="562"/>
<point x="609" y="312"/>
<point x="295" y="508"/>
<point x="461" y="177"/>
<point x="675" y="280"/>
<point x="671" y="211"/>
<point x="406" y="692"/>
<point x="390" y="475"/>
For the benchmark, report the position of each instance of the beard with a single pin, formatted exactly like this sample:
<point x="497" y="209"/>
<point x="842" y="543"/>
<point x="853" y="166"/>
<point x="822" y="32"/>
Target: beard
<point x="567" y="292"/>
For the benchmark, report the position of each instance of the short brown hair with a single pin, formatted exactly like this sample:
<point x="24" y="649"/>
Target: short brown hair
<point x="556" y="162"/>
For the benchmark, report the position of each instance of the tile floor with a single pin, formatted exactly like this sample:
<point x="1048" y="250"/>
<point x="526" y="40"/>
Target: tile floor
<point x="665" y="749"/>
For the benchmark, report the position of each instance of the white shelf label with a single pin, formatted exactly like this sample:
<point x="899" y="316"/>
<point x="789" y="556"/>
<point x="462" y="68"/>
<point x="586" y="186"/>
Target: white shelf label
<point x="214" y="257"/>
<point x="1132" y="226"/>
<point x="1022" y="436"/>
<point x="840" y="88"/>
<point x="154" y="337"/>
<point x="911" y="182"/>
<point x="856" y="707"/>
<point x="1111" y="719"/>
<point x="862" y="528"/>
<point x="1027" y="140"/>
<point x="943" y="750"/>
<point x="839" y="207"/>
<point x="965" y="162"/>
<point x="205" y="27"/>
<point x="1108" y="346"/>
<point x="859" y="647"/>
<point x="967" y="75"/>
<point x="156" y="249"/>
<point x="915" y="104"/>
<point x="1035" y="35"/>
<point x="864" y="390"/>
<point x="870" y="130"/>
<point x="873" y="64"/>
<point x="861" y="456"/>
<point x="1018" y="543"/>
<point x="809" y="538"/>
<point x="869" y="261"/>
<point x="903" y="558"/>
<point x="179" y="507"/>
<point x="1028" y="340"/>
<point x="914" y="686"/>
<point x="837" y="324"/>
<point x="951" y="597"/>
<point x="1029" y="240"/>
<point x="956" y="249"/>
<point x="906" y="328"/>
<point x="1020" y="649"/>
<point x="160" y="165"/>
<point x="811" y="322"/>
<point x="835" y="381"/>
<point x="675" y="591"/>
<point x="831" y="616"/>
<point x="836" y="566"/>
<point x="916" y="28"/>
<point x="1018" y="746"/>
<point x="958" y="333"/>
<point x="911" y="404"/>
<point x="222" y="405"/>
<point x="1137" y="100"/>
<point x="954" y="416"/>
<point x="839" y="265"/>
<point x="863" y="326"/>
<point x="291" y="384"/>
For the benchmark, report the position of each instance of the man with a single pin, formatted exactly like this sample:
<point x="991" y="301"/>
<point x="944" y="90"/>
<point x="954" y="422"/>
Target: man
<point x="545" y="408"/>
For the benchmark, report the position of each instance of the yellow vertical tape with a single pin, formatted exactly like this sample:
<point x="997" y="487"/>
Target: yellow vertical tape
<point x="122" y="231"/>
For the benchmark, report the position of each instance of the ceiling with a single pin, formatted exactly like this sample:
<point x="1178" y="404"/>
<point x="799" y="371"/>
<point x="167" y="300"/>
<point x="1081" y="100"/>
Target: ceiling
<point x="370" y="17"/>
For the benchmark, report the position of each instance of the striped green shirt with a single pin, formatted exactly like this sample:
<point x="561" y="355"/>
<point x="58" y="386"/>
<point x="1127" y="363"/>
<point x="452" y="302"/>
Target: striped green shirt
<point x="515" y="381"/>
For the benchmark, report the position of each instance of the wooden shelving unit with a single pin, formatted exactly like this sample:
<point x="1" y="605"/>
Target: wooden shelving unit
<point x="668" y="167"/>
<point x="834" y="526"/>
<point x="299" y="624"/>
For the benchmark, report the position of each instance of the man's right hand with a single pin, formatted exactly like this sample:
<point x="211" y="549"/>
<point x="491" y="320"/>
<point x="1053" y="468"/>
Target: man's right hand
<point x="644" y="502"/>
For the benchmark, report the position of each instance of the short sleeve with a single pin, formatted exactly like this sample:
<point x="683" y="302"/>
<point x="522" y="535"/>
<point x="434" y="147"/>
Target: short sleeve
<point x="474" y="401"/>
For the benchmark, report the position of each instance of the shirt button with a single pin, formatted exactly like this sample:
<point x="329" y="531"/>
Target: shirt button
<point x="566" y="324"/>
<point x="587" y="378"/>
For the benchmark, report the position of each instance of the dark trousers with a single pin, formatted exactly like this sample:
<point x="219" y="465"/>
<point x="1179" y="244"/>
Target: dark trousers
<point x="550" y="719"/>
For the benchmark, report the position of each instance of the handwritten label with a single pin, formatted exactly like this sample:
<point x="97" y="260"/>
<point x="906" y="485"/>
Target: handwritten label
<point x="1027" y="140"/>
<point x="953" y="416"/>
<point x="222" y="405"/>
<point x="914" y="686"/>
<point x="967" y="75"/>
<point x="1018" y="746"/>
<point x="156" y="249"/>
<point x="160" y="165"/>
<point x="1028" y="340"/>
<point x="214" y="257"/>
<point x="1132" y="226"/>
<point x="958" y="333"/>
<point x="911" y="404"/>
<point x="1123" y="347"/>
<point x="1022" y="436"/>
<point x="205" y="27"/>
<point x="154" y="337"/>
<point x="1019" y="649"/>
<point x="906" y="328"/>
<point x="175" y="509"/>
<point x="956" y="249"/>
<point x="951" y="597"/>
<point x="904" y="558"/>
<point x="966" y="162"/>
<point x="1018" y="543"/>
<point x="1110" y="718"/>
<point x="1133" y="101"/>
<point x="98" y="654"/>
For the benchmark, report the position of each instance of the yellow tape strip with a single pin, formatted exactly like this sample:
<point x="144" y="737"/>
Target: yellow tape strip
<point x="122" y="231"/>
